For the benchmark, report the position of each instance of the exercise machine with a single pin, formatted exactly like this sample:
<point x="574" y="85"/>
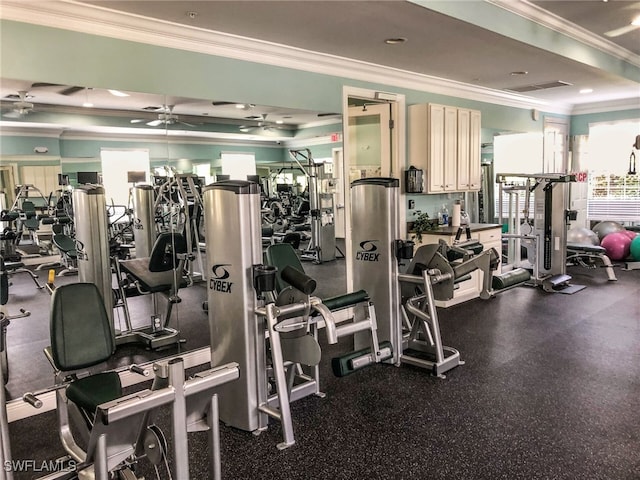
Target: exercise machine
<point x="322" y="246"/>
<point x="543" y="229"/>
<point x="407" y="318"/>
<point x="116" y="429"/>
<point x="249" y="302"/>
<point x="95" y="266"/>
<point x="178" y="207"/>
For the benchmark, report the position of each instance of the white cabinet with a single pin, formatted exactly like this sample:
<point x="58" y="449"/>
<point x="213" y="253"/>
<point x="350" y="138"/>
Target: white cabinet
<point x="474" y="150"/>
<point x="426" y="143"/>
<point x="464" y="122"/>
<point x="450" y="158"/>
<point x="445" y="142"/>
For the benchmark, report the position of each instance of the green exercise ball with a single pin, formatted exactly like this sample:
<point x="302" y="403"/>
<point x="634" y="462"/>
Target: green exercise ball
<point x="635" y="249"/>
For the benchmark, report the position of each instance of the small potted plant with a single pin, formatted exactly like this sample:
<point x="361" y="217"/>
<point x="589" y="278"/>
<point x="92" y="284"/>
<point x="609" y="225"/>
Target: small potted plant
<point x="421" y="224"/>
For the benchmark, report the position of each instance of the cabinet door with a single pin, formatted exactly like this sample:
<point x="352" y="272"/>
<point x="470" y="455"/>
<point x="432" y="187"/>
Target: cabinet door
<point x="450" y="149"/>
<point x="463" y="148"/>
<point x="417" y="132"/>
<point x="436" y="148"/>
<point x="474" y="150"/>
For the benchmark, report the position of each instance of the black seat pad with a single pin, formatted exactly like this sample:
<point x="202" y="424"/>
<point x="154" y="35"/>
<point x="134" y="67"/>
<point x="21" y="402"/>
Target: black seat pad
<point x="152" y="282"/>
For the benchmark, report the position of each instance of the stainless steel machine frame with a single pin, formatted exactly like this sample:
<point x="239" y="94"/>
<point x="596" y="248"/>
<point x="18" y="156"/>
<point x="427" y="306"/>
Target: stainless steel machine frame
<point x="411" y="328"/>
<point x="375" y="227"/>
<point x="322" y="247"/>
<point x="144" y="226"/>
<point x="92" y="241"/>
<point x="238" y="319"/>
<point x="547" y="230"/>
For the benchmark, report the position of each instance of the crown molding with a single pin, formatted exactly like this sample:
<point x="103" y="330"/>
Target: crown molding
<point x="94" y="20"/>
<point x="610" y="106"/>
<point x="547" y="19"/>
<point x="26" y="130"/>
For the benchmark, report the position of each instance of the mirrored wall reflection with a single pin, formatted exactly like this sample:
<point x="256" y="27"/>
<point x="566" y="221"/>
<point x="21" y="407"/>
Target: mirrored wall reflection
<point x="87" y="109"/>
<point x="55" y="134"/>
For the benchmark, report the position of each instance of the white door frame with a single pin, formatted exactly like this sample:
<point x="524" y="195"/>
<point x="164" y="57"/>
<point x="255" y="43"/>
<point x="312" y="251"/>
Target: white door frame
<point x="398" y="156"/>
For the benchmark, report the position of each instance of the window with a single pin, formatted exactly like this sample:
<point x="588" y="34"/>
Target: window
<point x="115" y="165"/>
<point x="613" y="194"/>
<point x="238" y="165"/>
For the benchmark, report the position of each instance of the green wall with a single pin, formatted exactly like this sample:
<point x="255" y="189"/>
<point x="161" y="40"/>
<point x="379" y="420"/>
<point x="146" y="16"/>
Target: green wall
<point x="72" y="58"/>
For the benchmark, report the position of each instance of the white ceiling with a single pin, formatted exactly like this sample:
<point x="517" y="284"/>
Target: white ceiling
<point x="438" y="45"/>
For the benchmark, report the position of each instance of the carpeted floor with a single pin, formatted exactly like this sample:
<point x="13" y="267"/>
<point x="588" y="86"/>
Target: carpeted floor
<point x="550" y="390"/>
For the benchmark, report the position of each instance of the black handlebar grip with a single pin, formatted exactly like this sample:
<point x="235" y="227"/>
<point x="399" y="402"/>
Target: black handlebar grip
<point x="298" y="280"/>
<point x="139" y="370"/>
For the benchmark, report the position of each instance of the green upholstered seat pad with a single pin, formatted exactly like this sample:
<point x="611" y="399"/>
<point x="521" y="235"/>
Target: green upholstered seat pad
<point x="80" y="330"/>
<point x="65" y="244"/>
<point x="89" y="392"/>
<point x="346" y="300"/>
<point x="150" y="281"/>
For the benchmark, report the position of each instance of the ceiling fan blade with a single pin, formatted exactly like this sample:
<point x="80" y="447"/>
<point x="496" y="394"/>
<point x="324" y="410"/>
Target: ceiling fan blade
<point x="185" y="123"/>
<point x="12" y="114"/>
<point x="136" y="120"/>
<point x="71" y="90"/>
<point x="621" y="31"/>
<point x="221" y="103"/>
<point x="155" y="123"/>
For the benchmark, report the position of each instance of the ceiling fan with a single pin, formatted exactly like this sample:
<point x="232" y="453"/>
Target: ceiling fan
<point x="165" y="117"/>
<point x="635" y="24"/>
<point x="21" y="107"/>
<point x="261" y="125"/>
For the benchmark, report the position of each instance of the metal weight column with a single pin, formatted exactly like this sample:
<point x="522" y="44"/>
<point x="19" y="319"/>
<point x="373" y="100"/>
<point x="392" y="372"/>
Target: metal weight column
<point x="92" y="241"/>
<point x="375" y="226"/>
<point x="144" y="226"/>
<point x="233" y="236"/>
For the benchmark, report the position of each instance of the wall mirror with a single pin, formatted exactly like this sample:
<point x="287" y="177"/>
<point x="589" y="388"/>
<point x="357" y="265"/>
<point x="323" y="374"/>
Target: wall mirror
<point x="49" y="129"/>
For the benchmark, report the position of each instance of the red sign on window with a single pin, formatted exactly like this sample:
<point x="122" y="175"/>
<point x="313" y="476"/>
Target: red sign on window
<point x="581" y="176"/>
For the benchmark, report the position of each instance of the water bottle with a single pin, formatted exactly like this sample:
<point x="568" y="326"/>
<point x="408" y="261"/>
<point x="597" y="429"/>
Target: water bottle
<point x="445" y="215"/>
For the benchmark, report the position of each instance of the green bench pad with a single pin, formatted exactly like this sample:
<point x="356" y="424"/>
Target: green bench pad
<point x="347" y="300"/>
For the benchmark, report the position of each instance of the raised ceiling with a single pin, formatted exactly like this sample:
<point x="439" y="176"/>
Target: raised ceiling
<point x="437" y="44"/>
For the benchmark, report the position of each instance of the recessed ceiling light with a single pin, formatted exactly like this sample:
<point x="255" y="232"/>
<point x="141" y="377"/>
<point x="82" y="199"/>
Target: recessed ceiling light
<point x="636" y="21"/>
<point x="192" y="15"/>
<point x="279" y="122"/>
<point x="395" y="40"/>
<point x="586" y="90"/>
<point x="519" y="72"/>
<point x="87" y="104"/>
<point x="118" y="93"/>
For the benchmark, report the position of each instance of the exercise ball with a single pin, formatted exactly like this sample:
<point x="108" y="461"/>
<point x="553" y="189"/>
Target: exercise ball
<point x="630" y="234"/>
<point x="582" y="236"/>
<point x="617" y="245"/>
<point x="603" y="229"/>
<point x="635" y="248"/>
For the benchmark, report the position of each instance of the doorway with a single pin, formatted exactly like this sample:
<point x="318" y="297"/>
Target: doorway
<point x="374" y="146"/>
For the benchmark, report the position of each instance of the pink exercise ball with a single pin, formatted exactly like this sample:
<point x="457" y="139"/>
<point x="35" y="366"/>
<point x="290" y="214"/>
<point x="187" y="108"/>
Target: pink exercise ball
<point x="617" y="245"/>
<point x="630" y="234"/>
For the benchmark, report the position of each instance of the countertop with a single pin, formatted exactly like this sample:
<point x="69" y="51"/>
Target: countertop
<point x="475" y="227"/>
